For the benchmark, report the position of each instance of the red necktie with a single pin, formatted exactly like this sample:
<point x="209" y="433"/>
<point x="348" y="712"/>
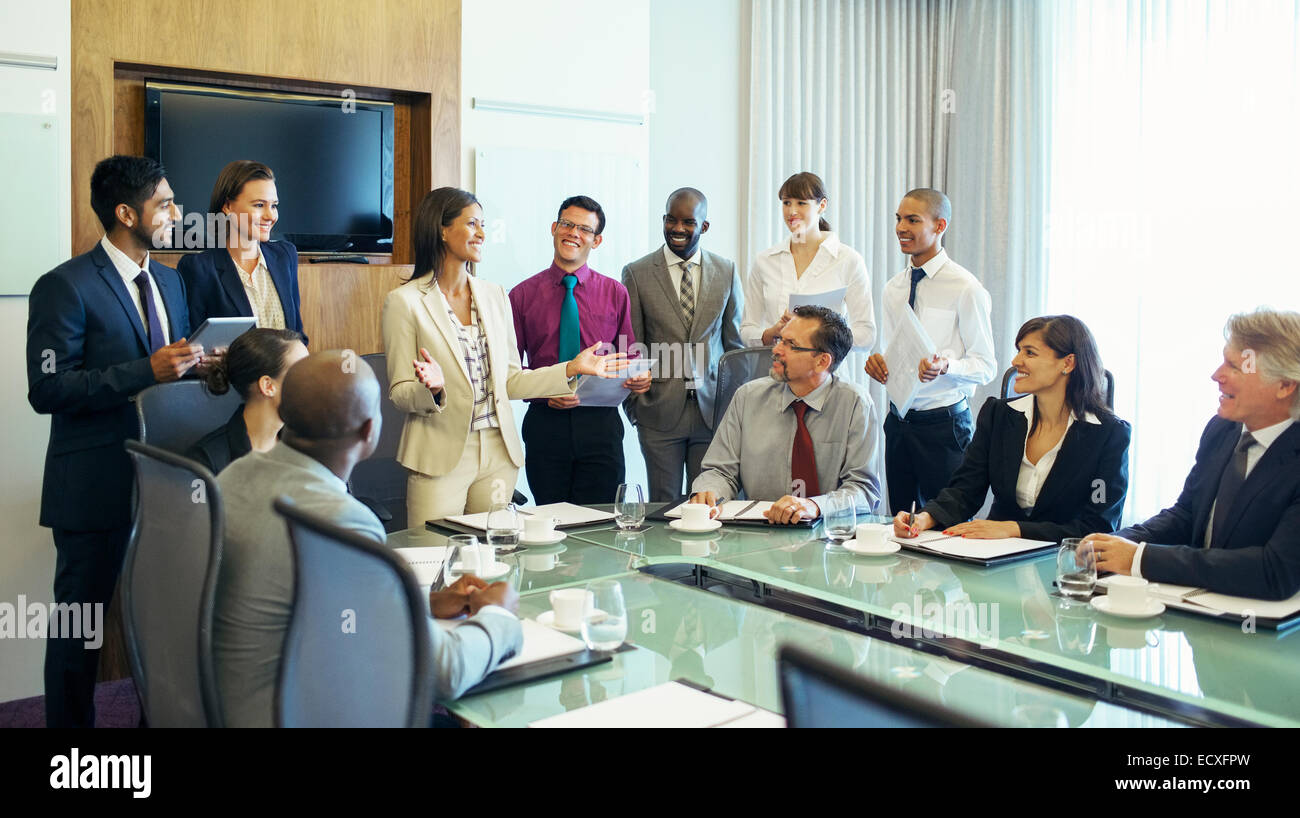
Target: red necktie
<point x="803" y="465"/>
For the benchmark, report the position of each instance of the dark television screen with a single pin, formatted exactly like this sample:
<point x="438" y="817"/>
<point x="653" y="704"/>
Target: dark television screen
<point x="332" y="158"/>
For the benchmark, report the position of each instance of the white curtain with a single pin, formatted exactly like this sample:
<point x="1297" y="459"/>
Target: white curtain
<point x="881" y="97"/>
<point x="1174" y="175"/>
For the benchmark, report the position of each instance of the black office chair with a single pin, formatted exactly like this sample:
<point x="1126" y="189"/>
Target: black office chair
<point x="168" y="587"/>
<point x="1009" y="392"/>
<point x="375" y="674"/>
<point x="736" y="368"/>
<point x="175" y="416"/>
<point x="818" y="693"/>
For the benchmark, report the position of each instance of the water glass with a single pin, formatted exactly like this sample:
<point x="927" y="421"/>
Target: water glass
<point x="840" y="516"/>
<point x="503" y="527"/>
<point x="1076" y="569"/>
<point x="604" y="624"/>
<point x="629" y="506"/>
<point x="461" y="558"/>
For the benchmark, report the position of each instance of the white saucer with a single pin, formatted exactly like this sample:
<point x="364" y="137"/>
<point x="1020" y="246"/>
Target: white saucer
<point x="712" y="525"/>
<point x="556" y="536"/>
<point x="547" y="618"/>
<point x="498" y="570"/>
<point x="1154" y="607"/>
<point x="889" y="547"/>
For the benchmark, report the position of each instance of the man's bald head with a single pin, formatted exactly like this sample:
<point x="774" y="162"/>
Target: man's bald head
<point x="329" y="396"/>
<point x="689" y="194"/>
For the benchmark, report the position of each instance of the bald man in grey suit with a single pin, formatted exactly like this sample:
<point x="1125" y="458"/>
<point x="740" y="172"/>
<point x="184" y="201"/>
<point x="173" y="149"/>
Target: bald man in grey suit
<point x="686" y="305"/>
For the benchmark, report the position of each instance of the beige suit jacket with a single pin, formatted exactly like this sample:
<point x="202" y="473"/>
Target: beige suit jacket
<point x="434" y="436"/>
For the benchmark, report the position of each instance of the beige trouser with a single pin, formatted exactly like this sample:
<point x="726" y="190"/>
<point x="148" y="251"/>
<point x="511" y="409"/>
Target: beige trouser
<point x="484" y="475"/>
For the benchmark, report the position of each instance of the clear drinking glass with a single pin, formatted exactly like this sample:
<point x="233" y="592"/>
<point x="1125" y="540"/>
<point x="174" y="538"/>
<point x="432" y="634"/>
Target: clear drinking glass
<point x="462" y="558"/>
<point x="840" y="516"/>
<point x="503" y="527"/>
<point x="629" y="506"/>
<point x="1076" y="569"/>
<point x="604" y="625"/>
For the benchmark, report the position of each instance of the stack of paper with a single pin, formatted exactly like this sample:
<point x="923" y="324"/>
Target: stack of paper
<point x="568" y="515"/>
<point x="969" y="547"/>
<point x="671" y="704"/>
<point x="425" y="561"/>
<point x="540" y="643"/>
<point x="734" y="510"/>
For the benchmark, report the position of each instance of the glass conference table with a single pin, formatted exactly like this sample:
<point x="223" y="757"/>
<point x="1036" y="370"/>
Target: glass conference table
<point x="730" y="645"/>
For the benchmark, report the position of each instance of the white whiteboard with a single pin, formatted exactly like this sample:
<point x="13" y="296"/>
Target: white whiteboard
<point x="521" y="190"/>
<point x="30" y="216"/>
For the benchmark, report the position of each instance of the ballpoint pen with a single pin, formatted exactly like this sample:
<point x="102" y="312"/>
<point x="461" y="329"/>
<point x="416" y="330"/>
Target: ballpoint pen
<point x="911" y="519"/>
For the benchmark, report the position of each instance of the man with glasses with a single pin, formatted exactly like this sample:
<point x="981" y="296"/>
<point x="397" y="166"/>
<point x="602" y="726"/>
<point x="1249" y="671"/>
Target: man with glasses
<point x="799" y="435"/>
<point x="572" y="453"/>
<point x="686" y="305"/>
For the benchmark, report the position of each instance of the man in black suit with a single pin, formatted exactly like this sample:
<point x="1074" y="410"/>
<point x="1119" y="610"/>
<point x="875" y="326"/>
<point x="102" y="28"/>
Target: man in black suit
<point x="1236" y="526"/>
<point x="100" y="327"/>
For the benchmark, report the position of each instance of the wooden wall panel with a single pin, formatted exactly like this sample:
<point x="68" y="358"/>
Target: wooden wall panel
<point x="410" y="46"/>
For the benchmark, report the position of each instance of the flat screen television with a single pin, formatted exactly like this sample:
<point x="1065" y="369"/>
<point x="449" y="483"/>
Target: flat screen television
<point x="332" y="158"/>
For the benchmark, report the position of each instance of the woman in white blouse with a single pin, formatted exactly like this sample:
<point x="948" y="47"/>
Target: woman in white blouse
<point x="1056" y="458"/>
<point x="453" y="367"/>
<point x="809" y="262"/>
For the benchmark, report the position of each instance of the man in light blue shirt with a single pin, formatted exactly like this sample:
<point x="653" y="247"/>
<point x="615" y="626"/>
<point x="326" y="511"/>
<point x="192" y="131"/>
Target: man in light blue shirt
<point x="798" y="435"/>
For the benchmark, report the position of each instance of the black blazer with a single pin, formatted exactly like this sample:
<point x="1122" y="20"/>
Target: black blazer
<point x="215" y="290"/>
<point x="87" y="356"/>
<point x="223" y="444"/>
<point x="1259" y="556"/>
<point x="1071" y="503"/>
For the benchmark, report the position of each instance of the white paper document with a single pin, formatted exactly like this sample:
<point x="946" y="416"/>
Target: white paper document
<point x="567" y="514"/>
<point x="594" y="391"/>
<point x="670" y="704"/>
<point x="425" y="561"/>
<point x="1199" y="600"/>
<point x="540" y="642"/>
<point x="909" y="345"/>
<point x="749" y="510"/>
<point x="969" y="547"/>
<point x="831" y="299"/>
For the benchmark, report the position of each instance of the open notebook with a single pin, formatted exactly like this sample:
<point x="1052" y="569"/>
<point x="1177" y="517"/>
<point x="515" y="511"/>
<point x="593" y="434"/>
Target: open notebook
<point x="671" y="704"/>
<point x="967" y="549"/>
<point x="567" y="514"/>
<point x="1268" y="613"/>
<point x="545" y="652"/>
<point x="731" y="511"/>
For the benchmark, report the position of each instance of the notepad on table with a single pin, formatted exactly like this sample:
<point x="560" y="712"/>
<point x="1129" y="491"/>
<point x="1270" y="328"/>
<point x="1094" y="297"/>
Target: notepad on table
<point x="568" y="515"/>
<point x="733" y="511"/>
<point x="1200" y="600"/>
<point x="425" y="561"/>
<point x="969" y="547"/>
<point x="671" y="704"/>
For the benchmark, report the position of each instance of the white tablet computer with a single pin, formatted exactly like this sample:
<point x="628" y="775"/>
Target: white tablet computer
<point x="218" y="333"/>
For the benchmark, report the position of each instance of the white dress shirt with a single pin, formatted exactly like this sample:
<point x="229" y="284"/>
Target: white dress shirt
<point x="954" y="308"/>
<point x="1032" y="475"/>
<point x="128" y="269"/>
<point x="1263" y="439"/>
<point x="772" y="281"/>
<point x="676" y="268"/>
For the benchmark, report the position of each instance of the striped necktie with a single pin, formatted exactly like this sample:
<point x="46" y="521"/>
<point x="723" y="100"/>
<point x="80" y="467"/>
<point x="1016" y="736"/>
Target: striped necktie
<point x="687" y="292"/>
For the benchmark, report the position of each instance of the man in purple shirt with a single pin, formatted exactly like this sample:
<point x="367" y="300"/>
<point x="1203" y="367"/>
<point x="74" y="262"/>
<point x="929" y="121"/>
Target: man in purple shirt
<point x="572" y="453"/>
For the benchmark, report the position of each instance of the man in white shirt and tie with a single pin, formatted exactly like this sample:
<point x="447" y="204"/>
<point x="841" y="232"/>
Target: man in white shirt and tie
<point x="925" y="447"/>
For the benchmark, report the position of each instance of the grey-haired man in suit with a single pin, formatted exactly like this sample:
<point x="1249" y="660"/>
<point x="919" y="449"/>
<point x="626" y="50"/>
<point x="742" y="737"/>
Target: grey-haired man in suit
<point x="686" y="305"/>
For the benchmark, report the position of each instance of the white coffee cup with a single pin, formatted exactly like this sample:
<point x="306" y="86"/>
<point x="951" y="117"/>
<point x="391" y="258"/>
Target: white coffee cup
<point x="1127" y="593"/>
<point x="695" y="515"/>
<point x="569" y="605"/>
<point x="469" y="559"/>
<point x="539" y="529"/>
<point x="540" y="562"/>
<point x="870" y="535"/>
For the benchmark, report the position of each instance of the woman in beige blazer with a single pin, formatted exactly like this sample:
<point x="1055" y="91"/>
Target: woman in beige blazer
<point x="453" y="367"/>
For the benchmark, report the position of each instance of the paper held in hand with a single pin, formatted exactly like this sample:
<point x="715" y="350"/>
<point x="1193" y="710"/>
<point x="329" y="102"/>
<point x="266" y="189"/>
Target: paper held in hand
<point x="594" y="391"/>
<point x="909" y="345"/>
<point x="831" y="299"/>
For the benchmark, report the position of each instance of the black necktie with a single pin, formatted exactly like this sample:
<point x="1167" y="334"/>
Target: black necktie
<point x="917" y="274"/>
<point x="1229" y="484"/>
<point x="156" y="339"/>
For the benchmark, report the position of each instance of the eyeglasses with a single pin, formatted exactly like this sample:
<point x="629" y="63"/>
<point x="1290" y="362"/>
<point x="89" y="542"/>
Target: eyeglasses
<point x="565" y="224"/>
<point x="779" y="341"/>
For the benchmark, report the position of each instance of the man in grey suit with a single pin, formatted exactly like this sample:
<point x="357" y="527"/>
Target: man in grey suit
<point x="330" y="408"/>
<point x="686" y="305"/>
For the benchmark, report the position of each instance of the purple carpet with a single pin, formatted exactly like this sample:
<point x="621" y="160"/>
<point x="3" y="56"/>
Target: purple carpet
<point x="116" y="705"/>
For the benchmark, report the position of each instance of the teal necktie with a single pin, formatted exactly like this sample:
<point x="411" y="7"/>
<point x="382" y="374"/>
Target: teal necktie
<point x="570" y="343"/>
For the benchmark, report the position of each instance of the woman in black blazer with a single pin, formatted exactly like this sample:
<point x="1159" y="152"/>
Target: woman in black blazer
<point x="254" y="366"/>
<point x="227" y="280"/>
<point x="1056" y="459"/>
